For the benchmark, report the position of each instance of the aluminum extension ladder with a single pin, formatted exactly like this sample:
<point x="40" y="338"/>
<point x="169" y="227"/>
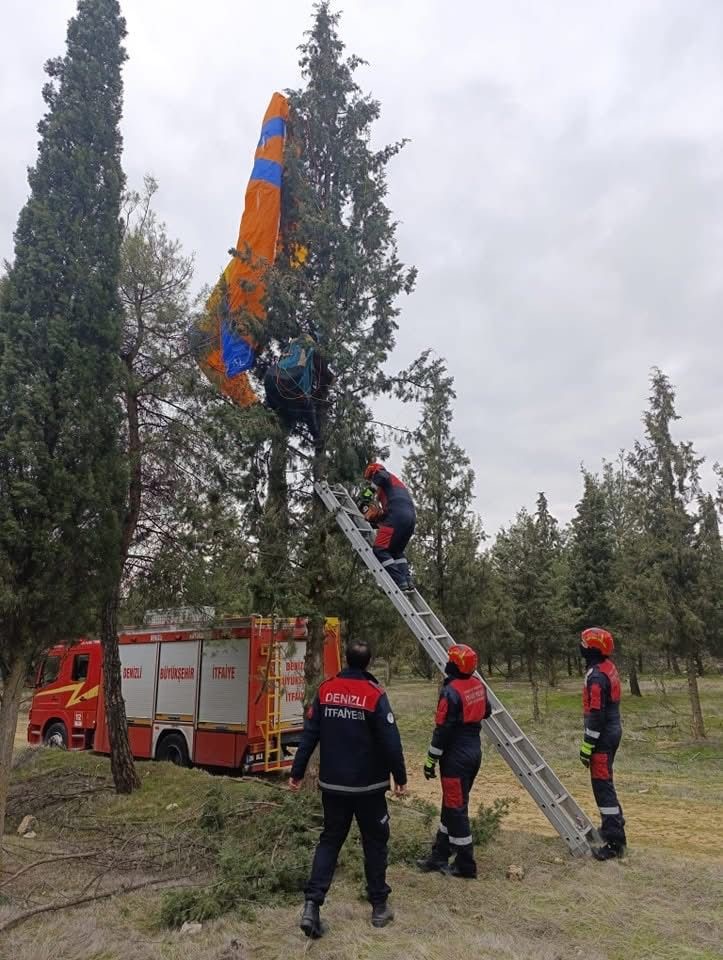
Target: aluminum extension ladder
<point x="518" y="751"/>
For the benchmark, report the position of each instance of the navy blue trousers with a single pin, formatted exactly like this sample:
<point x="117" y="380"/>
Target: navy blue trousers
<point x="370" y="810"/>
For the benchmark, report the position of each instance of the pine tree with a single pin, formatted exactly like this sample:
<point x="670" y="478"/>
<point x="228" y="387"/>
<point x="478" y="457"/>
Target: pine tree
<point x="709" y="600"/>
<point x="345" y="291"/>
<point x="61" y="474"/>
<point x="665" y="475"/>
<point x="445" y="548"/>
<point x="591" y="556"/>
<point x="515" y="557"/>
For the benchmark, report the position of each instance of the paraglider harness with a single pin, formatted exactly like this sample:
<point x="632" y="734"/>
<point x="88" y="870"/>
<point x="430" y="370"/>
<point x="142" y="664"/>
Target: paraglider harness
<point x="297" y="382"/>
<point x="295" y="370"/>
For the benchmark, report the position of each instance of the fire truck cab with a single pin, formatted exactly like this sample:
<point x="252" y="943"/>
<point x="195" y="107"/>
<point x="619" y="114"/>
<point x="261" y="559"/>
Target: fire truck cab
<point x="228" y="694"/>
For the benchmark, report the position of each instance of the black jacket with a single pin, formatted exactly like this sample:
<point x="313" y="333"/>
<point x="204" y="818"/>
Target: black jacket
<point x="353" y="723"/>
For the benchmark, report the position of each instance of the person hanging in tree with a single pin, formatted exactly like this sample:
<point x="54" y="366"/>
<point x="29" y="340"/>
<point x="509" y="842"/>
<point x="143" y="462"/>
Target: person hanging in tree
<point x="603" y="732"/>
<point x="298" y="383"/>
<point x="394" y="519"/>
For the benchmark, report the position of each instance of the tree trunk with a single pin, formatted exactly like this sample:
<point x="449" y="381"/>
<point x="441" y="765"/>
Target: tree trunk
<point x="12" y="692"/>
<point x="696" y="725"/>
<point x="699" y="663"/>
<point x="490" y="664"/>
<point x="274" y="540"/>
<point x="569" y="663"/>
<point x="640" y="662"/>
<point x="509" y="666"/>
<point x="122" y="765"/>
<point x="532" y="676"/>
<point x="634" y="685"/>
<point x="676" y="665"/>
<point x="551" y="672"/>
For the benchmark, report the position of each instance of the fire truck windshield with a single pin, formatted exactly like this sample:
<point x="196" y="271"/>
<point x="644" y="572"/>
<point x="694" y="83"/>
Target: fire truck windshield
<point x="49" y="671"/>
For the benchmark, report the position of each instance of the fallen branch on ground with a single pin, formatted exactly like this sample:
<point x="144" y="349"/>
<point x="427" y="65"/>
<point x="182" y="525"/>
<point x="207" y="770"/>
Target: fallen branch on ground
<point x="78" y="901"/>
<point x="37" y="863"/>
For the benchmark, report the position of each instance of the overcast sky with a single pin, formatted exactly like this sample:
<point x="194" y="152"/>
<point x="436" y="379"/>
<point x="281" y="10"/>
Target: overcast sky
<point x="562" y="195"/>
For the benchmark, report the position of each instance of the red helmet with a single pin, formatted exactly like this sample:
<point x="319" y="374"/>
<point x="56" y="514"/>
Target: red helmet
<point x="463" y="657"/>
<point x="595" y="638"/>
<point x="371" y="469"/>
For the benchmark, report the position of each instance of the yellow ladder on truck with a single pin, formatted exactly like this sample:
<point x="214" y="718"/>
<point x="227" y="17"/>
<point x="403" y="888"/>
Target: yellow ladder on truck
<point x="274" y="694"/>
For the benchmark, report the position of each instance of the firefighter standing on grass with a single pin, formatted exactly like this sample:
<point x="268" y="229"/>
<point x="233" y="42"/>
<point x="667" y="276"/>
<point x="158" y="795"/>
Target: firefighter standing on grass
<point x="603" y="731"/>
<point x="353" y="723"/>
<point x="463" y="705"/>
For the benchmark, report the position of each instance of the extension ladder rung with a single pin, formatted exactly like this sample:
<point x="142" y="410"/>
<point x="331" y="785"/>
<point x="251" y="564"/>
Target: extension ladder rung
<point x="529" y="766"/>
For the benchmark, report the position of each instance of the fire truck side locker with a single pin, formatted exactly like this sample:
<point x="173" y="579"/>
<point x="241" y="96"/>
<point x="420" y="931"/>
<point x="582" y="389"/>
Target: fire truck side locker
<point x="178" y="664"/>
<point x="223" y="702"/>
<point x="139" y="673"/>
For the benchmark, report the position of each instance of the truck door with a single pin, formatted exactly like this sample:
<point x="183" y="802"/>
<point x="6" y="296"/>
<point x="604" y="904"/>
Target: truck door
<point x="47" y="709"/>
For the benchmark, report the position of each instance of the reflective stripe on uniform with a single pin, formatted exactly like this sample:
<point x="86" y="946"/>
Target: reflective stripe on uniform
<point x="592" y="733"/>
<point x="342" y="789"/>
<point x="435" y="751"/>
<point x="441" y="828"/>
<point x="461" y="841"/>
<point x="609" y="811"/>
<point x="389" y="563"/>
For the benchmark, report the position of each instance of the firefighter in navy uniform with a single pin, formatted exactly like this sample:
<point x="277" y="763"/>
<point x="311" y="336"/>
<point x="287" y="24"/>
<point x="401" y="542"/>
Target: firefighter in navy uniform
<point x="463" y="705"/>
<point x="394" y="521"/>
<point x="360" y="747"/>
<point x="603" y="731"/>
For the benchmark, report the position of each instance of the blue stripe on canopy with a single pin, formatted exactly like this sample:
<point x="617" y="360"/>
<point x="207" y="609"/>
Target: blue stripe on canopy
<point x="268" y="170"/>
<point x="275" y="127"/>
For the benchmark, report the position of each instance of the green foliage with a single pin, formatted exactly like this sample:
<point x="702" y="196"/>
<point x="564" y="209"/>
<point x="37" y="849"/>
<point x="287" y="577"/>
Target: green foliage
<point x="61" y="475"/>
<point x="346" y="291"/>
<point x="263" y="852"/>
<point x="591" y="556"/>
<point x="486" y="823"/>
<point x="445" y="551"/>
<point x="215" y="810"/>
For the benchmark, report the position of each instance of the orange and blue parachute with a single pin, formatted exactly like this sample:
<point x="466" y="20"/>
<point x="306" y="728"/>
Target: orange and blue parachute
<point x="224" y="339"/>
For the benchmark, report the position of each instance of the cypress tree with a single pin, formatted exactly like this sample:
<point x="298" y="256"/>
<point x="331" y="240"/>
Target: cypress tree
<point x="345" y="291"/>
<point x="60" y="471"/>
<point x="665" y="476"/>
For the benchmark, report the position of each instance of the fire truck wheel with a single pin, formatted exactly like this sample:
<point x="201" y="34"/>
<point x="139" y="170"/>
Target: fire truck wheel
<point x="56" y="736"/>
<point x="173" y="748"/>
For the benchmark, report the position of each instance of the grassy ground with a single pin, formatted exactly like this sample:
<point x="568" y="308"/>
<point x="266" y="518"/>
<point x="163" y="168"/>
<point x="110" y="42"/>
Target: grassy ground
<point x="662" y="901"/>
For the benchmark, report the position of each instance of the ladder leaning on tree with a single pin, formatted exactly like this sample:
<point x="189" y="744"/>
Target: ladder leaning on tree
<point x="518" y="751"/>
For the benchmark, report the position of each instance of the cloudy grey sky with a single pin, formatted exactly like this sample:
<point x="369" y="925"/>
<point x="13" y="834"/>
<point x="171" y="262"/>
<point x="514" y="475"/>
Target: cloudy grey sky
<point x="562" y="194"/>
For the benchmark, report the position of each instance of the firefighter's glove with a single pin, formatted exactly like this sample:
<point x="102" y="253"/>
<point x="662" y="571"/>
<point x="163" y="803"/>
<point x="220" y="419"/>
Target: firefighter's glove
<point x="430" y="768"/>
<point x="585" y="753"/>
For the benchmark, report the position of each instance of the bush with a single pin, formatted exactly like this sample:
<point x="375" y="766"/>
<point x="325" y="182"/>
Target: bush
<point x="487" y="822"/>
<point x="264" y="854"/>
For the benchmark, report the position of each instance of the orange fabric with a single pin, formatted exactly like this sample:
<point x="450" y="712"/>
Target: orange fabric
<point x="240" y="290"/>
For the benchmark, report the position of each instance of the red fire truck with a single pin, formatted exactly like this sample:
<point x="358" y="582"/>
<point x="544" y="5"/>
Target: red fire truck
<point x="228" y="694"/>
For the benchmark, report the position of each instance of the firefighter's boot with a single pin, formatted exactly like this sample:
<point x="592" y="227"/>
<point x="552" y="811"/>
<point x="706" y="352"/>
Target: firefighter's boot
<point x="311" y="921"/>
<point x="461" y="872"/>
<point x="382" y="914"/>
<point x="609" y="851"/>
<point x="432" y="863"/>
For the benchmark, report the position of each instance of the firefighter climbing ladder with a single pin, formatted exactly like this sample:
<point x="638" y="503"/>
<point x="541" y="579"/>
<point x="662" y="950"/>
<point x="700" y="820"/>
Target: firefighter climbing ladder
<point x="518" y="751"/>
